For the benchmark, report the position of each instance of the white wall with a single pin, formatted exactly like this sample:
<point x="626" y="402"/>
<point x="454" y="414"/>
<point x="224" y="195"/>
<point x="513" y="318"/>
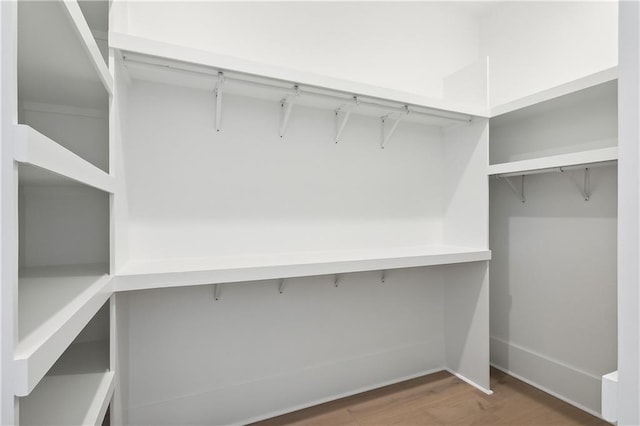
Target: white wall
<point x="255" y="352"/>
<point x="246" y="190"/>
<point x="553" y="283"/>
<point x="536" y="45"/>
<point x="407" y="46"/>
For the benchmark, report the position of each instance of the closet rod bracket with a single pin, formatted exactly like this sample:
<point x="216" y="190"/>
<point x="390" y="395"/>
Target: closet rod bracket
<point x="585" y="188"/>
<point x="217" y="289"/>
<point x="518" y="191"/>
<point x="383" y="276"/>
<point x="281" y="286"/>
<point x="390" y="123"/>
<point x="218" y="92"/>
<point x="286" y="105"/>
<point x="336" y="280"/>
<point x="343" y="113"/>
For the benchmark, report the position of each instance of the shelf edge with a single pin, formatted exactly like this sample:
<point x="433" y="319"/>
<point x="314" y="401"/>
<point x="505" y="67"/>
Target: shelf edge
<point x="89" y="43"/>
<point x="576" y="85"/>
<point x="556" y="161"/>
<point x="32" y="360"/>
<point x="124" y="282"/>
<point x="32" y="147"/>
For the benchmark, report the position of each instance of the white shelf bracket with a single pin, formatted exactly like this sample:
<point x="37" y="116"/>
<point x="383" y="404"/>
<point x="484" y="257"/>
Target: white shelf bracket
<point x="383" y="276"/>
<point x="518" y="191"/>
<point x="281" y="286"/>
<point x="336" y="280"/>
<point x="342" y="116"/>
<point x="286" y="105"/>
<point x="217" y="290"/>
<point x="585" y="187"/>
<point x="390" y="123"/>
<point x="218" y="92"/>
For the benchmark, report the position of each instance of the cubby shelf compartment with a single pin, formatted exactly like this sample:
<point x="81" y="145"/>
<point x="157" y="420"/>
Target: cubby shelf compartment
<point x="32" y="147"/>
<point x="196" y="61"/>
<point x="89" y="43"/>
<point x="584" y="158"/>
<point x="577" y="85"/>
<point x="73" y="399"/>
<point x="55" y="303"/>
<point x="77" y="78"/>
<point x="139" y="275"/>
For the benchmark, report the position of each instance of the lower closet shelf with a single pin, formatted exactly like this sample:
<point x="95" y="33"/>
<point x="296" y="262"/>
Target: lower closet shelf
<point x="55" y="303"/>
<point x="137" y="275"/>
<point x="72" y="399"/>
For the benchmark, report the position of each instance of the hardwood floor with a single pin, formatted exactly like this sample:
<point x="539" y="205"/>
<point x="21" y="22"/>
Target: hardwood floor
<point x="442" y="399"/>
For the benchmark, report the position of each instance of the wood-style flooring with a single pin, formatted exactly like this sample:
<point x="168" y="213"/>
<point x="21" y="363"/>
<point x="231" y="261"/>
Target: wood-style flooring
<point x="442" y="399"/>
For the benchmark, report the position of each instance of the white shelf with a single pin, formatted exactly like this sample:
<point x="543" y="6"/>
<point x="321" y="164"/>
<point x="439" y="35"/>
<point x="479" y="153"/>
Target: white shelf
<point x="89" y="43"/>
<point x="577" y="85"/>
<point x="54" y="305"/>
<point x="74" y="399"/>
<point x="34" y="148"/>
<point x="76" y="78"/>
<point x="138" y="275"/>
<point x="165" y="51"/>
<point x="591" y="157"/>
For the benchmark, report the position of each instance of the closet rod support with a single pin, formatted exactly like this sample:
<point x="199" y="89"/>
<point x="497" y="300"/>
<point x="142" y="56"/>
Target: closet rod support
<point x="217" y="289"/>
<point x="336" y="280"/>
<point x="383" y="276"/>
<point x="394" y="119"/>
<point x="342" y="116"/>
<point x="286" y="105"/>
<point x="218" y="92"/>
<point x="281" y="286"/>
<point x="585" y="188"/>
<point x="518" y="191"/>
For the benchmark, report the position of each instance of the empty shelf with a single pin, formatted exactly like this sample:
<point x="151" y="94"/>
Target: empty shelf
<point x="535" y="165"/>
<point x="74" y="399"/>
<point x="54" y="305"/>
<point x="555" y="92"/>
<point x="34" y="148"/>
<point x="182" y="272"/>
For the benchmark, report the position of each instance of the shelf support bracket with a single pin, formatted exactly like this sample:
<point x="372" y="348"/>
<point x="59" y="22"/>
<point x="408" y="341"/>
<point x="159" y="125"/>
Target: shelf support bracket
<point x="281" y="286"/>
<point x="336" y="280"/>
<point x="585" y="188"/>
<point x="393" y="120"/>
<point x="219" y="99"/>
<point x="342" y="116"/>
<point x="217" y="289"/>
<point x="383" y="276"/>
<point x="518" y="191"/>
<point x="286" y="105"/>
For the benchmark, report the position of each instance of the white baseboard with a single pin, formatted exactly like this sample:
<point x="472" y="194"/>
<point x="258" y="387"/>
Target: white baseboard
<point x="560" y="380"/>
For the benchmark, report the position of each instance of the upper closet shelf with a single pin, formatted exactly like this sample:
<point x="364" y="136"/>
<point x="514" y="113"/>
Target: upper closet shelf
<point x="54" y="305"/>
<point x="182" y="272"/>
<point x="539" y="165"/>
<point x="166" y="63"/>
<point x="577" y="85"/>
<point x="34" y="148"/>
<point x="59" y="61"/>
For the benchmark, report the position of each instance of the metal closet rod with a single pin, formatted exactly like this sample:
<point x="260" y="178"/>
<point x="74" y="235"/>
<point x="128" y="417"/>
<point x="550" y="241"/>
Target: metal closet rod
<point x="558" y="169"/>
<point x="396" y="107"/>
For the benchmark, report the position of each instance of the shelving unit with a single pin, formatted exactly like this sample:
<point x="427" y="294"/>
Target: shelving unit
<point x="55" y="141"/>
<point x="551" y="244"/>
<point x="261" y="173"/>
